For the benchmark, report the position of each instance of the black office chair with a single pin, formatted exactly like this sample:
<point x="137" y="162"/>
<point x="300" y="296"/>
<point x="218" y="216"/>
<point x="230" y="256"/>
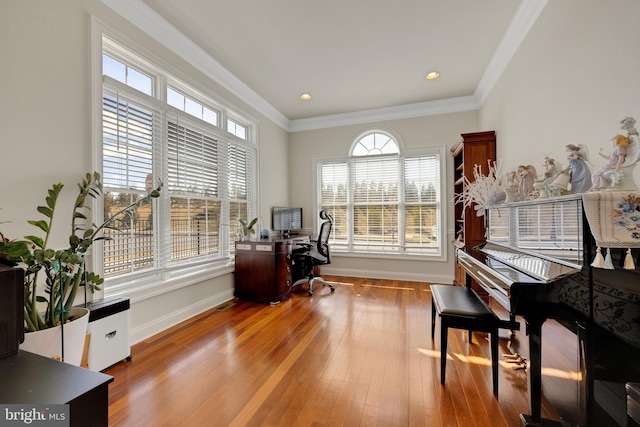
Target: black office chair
<point x="315" y="252"/>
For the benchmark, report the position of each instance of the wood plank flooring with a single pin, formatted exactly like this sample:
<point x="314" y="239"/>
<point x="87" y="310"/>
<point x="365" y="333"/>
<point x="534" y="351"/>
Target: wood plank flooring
<point x="362" y="356"/>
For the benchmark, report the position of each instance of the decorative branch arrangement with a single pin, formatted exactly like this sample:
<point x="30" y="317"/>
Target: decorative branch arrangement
<point x="483" y="191"/>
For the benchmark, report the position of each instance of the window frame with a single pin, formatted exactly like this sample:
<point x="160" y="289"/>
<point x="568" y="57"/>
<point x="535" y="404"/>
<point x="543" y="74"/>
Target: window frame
<point x="404" y="251"/>
<point x="168" y="275"/>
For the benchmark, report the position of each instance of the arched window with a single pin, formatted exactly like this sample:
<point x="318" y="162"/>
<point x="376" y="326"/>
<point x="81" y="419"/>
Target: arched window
<point x="374" y="144"/>
<point x="383" y="199"/>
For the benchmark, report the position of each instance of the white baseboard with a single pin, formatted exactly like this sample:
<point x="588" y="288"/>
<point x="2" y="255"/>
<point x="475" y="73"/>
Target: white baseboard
<point x="160" y="324"/>
<point x="388" y="275"/>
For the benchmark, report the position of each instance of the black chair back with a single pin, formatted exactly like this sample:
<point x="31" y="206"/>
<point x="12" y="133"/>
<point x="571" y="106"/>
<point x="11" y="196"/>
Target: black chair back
<point x="323" y="237"/>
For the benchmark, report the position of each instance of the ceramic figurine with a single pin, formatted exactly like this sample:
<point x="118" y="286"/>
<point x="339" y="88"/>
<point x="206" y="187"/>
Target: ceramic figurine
<point x="625" y="155"/>
<point x="579" y="173"/>
<point x="551" y="169"/>
<point x="616" y="159"/>
<point x="527" y="175"/>
<point x="512" y="179"/>
<point x="511" y="186"/>
<point x="560" y="185"/>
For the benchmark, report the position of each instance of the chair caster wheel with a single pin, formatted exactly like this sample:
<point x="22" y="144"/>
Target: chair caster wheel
<point x="310" y="293"/>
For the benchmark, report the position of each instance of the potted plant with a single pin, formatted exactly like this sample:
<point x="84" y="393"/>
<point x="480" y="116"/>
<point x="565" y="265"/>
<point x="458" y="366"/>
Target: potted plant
<point x="247" y="228"/>
<point x="61" y="271"/>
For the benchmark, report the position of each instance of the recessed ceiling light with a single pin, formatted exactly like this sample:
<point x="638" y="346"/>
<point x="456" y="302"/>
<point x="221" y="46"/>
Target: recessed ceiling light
<point x="305" y="96"/>
<point x="433" y="75"/>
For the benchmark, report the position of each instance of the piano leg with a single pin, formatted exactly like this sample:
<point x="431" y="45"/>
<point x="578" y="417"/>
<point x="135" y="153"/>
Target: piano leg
<point x="534" y="378"/>
<point x="534" y="370"/>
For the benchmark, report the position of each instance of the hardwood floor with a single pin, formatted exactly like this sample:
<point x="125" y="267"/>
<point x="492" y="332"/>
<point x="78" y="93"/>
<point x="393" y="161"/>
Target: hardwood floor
<point x="362" y="356"/>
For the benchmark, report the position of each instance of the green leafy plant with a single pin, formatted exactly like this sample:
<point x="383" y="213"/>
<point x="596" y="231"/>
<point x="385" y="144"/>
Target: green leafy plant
<point x="63" y="269"/>
<point x="247" y="228"/>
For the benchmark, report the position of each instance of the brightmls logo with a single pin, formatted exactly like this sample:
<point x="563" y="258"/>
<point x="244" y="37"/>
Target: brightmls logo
<point x="34" y="415"/>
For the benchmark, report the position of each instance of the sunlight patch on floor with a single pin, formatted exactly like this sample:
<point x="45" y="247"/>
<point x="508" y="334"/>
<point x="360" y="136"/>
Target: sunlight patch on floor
<point x="476" y="360"/>
<point x="387" y="287"/>
<point x="433" y="353"/>
<point x="484" y="361"/>
<point x="559" y="373"/>
<point x="339" y="283"/>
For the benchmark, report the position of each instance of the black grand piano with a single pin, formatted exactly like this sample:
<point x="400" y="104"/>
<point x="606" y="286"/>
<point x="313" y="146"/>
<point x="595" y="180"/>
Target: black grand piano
<point x="536" y="264"/>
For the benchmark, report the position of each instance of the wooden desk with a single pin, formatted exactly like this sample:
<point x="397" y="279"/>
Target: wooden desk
<point x="263" y="269"/>
<point x="27" y="378"/>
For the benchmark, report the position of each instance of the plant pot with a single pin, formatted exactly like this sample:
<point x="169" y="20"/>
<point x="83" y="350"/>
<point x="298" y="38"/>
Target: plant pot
<point x="48" y="342"/>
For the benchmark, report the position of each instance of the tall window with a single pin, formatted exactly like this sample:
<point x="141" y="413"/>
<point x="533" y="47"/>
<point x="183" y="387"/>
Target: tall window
<point x="382" y="200"/>
<point x="158" y="129"/>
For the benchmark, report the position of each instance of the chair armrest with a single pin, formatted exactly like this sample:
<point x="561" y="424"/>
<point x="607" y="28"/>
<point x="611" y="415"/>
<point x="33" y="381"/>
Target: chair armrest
<point x="303" y="247"/>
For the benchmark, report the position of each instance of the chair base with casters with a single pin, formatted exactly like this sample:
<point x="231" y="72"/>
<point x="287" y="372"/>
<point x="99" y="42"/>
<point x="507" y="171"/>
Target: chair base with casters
<point x="311" y="279"/>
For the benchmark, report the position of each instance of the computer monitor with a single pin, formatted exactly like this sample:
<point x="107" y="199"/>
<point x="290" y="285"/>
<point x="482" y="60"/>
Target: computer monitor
<point x="286" y="219"/>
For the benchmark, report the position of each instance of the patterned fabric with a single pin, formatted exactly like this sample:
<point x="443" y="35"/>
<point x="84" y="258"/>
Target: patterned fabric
<point x="615" y="309"/>
<point x="614" y="219"/>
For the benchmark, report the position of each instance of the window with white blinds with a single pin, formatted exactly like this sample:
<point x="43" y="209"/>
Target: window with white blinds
<point x="208" y="173"/>
<point x="130" y="130"/>
<point x="240" y="188"/>
<point x="374" y="181"/>
<point x="383" y="201"/>
<point x="334" y="193"/>
<point x="192" y="182"/>
<point x="421" y="201"/>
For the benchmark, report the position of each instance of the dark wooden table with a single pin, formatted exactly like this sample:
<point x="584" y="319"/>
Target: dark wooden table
<point x="27" y="378"/>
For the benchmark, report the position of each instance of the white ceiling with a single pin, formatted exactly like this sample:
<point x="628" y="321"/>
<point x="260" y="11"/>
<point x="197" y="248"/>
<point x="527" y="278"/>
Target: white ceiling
<point x="355" y="57"/>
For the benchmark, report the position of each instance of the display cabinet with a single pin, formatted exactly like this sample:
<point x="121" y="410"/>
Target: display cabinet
<point x="472" y="149"/>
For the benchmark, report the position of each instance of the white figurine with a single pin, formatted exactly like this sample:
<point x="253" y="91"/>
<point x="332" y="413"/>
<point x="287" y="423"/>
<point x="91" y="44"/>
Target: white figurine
<point x="527" y="175"/>
<point x="579" y="173"/>
<point x="625" y="154"/>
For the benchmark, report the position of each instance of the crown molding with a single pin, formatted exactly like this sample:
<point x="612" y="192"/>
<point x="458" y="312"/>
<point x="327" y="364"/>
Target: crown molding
<point x="150" y="22"/>
<point x="407" y="111"/>
<point x="147" y="20"/>
<point x="524" y="18"/>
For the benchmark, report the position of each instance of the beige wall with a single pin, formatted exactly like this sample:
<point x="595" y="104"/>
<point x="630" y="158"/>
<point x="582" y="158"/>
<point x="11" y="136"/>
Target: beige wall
<point x="46" y="128"/>
<point x="308" y="146"/>
<point x="575" y="76"/>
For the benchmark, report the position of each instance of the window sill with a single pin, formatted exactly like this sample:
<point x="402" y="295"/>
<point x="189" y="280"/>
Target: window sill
<point x="435" y="257"/>
<point x="151" y="285"/>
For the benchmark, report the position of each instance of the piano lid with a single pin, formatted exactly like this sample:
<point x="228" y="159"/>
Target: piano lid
<point x="500" y="270"/>
<point x="536" y="266"/>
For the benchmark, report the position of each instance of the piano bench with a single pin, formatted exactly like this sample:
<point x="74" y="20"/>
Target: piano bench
<point x="461" y="308"/>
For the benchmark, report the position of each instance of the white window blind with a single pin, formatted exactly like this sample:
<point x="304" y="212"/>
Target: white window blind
<point x="421" y="197"/>
<point x="192" y="181"/>
<point x="375" y="201"/>
<point x="130" y="132"/>
<point x="241" y="189"/>
<point x="334" y="193"/>
<point x="192" y="160"/>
